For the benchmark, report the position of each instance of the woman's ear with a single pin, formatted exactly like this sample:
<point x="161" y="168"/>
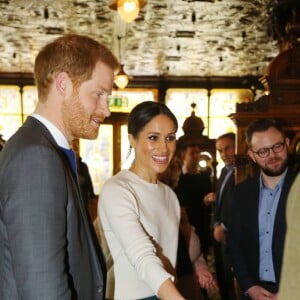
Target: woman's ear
<point x="131" y="140"/>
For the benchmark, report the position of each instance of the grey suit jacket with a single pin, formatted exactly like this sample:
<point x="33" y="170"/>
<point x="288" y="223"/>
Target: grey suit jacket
<point x="48" y="248"/>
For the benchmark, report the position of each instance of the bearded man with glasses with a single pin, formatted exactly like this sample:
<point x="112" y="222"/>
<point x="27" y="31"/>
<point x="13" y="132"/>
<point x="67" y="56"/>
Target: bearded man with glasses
<point x="258" y="222"/>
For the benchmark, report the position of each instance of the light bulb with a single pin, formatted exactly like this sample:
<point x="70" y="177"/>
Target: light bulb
<point x="121" y="81"/>
<point x="128" y="10"/>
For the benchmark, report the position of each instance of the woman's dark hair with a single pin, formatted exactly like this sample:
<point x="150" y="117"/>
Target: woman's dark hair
<point x="262" y="125"/>
<point x="144" y="112"/>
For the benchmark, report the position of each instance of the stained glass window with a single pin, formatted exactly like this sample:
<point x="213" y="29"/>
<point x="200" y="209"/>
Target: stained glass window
<point x="213" y="109"/>
<point x="98" y="155"/>
<point x="180" y="100"/>
<point x="125" y="100"/>
<point x="222" y="103"/>
<point x="30" y="99"/>
<point x="10" y="110"/>
<point x="14" y="107"/>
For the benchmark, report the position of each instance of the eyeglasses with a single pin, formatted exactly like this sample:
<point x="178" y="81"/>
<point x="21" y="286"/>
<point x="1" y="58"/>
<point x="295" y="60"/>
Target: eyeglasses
<point x="264" y="152"/>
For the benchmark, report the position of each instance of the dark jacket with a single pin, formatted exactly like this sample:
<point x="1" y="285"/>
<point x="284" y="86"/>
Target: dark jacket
<point x="243" y="233"/>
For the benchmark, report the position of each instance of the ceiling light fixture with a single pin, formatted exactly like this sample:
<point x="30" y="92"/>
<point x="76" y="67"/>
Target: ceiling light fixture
<point x="121" y="79"/>
<point x="128" y="10"/>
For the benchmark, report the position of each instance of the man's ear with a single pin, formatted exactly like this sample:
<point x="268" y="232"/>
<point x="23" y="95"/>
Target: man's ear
<point x="250" y="153"/>
<point x="61" y="81"/>
<point x="287" y="141"/>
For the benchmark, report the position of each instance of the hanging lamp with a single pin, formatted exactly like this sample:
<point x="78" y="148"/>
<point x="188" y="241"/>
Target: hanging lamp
<point x="121" y="79"/>
<point x="128" y="10"/>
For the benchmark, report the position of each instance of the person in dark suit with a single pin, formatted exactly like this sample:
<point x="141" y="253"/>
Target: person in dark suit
<point x="192" y="186"/>
<point x="258" y="215"/>
<point x="221" y="200"/>
<point x="48" y="248"/>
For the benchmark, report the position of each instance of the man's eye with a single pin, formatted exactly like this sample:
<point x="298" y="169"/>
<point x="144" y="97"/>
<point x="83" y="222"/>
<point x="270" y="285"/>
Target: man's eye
<point x="277" y="146"/>
<point x="102" y="94"/>
<point x="262" y="151"/>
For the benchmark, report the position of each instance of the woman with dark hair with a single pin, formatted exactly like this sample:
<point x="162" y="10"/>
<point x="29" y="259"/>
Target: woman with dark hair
<point x="139" y="215"/>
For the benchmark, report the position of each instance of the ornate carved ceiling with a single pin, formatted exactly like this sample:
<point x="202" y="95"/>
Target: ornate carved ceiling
<point x="170" y="37"/>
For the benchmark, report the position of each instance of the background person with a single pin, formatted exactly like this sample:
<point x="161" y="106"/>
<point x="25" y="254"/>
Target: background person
<point x="193" y="185"/>
<point x="221" y="200"/>
<point x="140" y="215"/>
<point x="258" y="222"/>
<point x="47" y="248"/>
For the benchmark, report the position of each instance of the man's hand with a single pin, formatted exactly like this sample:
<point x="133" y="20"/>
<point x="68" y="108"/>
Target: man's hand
<point x="220" y="234"/>
<point x="257" y="292"/>
<point x="209" y="198"/>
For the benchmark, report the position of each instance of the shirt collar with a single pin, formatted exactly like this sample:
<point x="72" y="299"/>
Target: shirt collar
<point x="55" y="132"/>
<point x="229" y="167"/>
<point x="279" y="184"/>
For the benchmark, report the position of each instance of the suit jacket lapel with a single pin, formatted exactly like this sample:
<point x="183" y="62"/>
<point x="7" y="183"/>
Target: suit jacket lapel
<point x="221" y="179"/>
<point x="254" y="196"/>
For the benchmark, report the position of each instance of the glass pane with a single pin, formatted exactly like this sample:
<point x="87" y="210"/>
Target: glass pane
<point x="125" y="100"/>
<point x="180" y="100"/>
<point x="9" y="125"/>
<point x="10" y="99"/>
<point x="223" y="101"/>
<point x="221" y="125"/>
<point x="98" y="155"/>
<point x="126" y="159"/>
<point x="30" y="99"/>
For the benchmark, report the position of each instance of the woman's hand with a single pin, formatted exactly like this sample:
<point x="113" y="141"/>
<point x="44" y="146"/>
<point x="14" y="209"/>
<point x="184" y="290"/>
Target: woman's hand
<point x="205" y="278"/>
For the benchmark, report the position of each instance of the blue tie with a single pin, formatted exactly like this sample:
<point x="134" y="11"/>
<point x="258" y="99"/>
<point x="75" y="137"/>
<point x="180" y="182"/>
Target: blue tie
<point x="71" y="157"/>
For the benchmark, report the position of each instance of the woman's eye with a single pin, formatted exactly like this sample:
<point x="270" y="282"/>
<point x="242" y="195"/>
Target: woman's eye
<point x="171" y="138"/>
<point x="153" y="137"/>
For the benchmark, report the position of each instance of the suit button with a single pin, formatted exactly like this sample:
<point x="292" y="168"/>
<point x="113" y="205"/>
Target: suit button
<point x="99" y="289"/>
